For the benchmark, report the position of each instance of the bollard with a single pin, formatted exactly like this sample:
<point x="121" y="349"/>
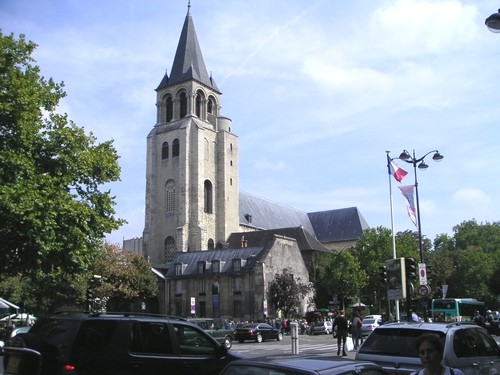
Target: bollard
<point x="294" y="331"/>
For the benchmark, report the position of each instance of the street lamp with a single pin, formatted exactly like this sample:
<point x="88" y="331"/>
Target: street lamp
<point x="493" y="22"/>
<point x="405" y="156"/>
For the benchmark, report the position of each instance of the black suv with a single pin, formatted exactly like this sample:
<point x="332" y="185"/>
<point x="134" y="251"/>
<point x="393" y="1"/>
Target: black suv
<point x="467" y="347"/>
<point x="109" y="343"/>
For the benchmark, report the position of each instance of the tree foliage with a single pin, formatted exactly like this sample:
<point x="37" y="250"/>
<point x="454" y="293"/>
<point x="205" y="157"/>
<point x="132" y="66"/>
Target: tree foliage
<point x="287" y="293"/>
<point x="54" y="215"/>
<point x="341" y="274"/>
<point x="123" y="278"/>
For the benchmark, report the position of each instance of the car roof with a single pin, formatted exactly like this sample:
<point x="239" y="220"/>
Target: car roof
<point x="302" y="362"/>
<point x="434" y="326"/>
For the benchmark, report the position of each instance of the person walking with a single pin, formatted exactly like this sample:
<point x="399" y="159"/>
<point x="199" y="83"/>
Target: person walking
<point x="430" y="351"/>
<point x="356" y="329"/>
<point x="339" y="328"/>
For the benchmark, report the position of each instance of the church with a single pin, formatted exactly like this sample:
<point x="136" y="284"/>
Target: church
<point x="216" y="248"/>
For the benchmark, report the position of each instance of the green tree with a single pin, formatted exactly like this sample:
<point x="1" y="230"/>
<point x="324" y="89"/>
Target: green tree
<point x="341" y="274"/>
<point x="287" y="293"/>
<point x="54" y="215"/>
<point x="122" y="278"/>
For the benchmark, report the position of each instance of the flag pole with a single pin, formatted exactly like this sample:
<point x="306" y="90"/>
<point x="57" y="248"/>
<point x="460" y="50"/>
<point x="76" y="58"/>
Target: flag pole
<point x="392" y="227"/>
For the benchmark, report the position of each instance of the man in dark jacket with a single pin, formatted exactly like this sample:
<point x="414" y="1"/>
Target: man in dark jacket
<point x="339" y="328"/>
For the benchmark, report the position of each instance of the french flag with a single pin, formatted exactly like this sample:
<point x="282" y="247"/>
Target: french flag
<point x="397" y="172"/>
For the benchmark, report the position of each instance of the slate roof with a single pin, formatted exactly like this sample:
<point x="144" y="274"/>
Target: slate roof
<point x="191" y="258"/>
<point x="305" y="240"/>
<point x="270" y="215"/>
<point x="339" y="225"/>
<point x="188" y="62"/>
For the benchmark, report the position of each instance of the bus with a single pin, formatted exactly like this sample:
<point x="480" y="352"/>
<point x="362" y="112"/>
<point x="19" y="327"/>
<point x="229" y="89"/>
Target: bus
<point x="456" y="309"/>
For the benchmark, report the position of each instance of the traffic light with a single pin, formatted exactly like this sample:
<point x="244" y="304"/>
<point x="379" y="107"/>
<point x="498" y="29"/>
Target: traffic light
<point x="410" y="269"/>
<point x="383" y="274"/>
<point x="429" y="271"/>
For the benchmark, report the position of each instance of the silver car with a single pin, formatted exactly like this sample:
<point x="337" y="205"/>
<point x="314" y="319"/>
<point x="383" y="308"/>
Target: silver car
<point x="467" y="347"/>
<point x="369" y="325"/>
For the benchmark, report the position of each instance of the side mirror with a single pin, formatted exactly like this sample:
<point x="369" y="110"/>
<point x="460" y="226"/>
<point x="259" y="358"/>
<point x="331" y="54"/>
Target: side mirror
<point x="222" y="351"/>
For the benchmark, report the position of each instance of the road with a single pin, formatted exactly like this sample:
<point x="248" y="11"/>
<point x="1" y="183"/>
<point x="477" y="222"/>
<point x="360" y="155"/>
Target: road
<point x="318" y="344"/>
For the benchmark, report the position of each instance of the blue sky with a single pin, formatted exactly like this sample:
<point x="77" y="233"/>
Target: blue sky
<point x="317" y="92"/>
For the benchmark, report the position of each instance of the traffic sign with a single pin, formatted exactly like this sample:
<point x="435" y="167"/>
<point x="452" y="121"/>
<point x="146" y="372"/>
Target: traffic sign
<point x="422" y="273"/>
<point x="424" y="290"/>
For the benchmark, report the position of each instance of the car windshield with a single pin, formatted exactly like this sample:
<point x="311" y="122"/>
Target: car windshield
<point x="395" y="342"/>
<point x="368" y="321"/>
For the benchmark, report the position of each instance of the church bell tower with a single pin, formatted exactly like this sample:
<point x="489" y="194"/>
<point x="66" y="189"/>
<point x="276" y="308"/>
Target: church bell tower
<point x="192" y="180"/>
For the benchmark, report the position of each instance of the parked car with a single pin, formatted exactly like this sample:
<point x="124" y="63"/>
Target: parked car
<point x="321" y="328"/>
<point x="467" y="347"/>
<point x="257" y="332"/>
<point x="109" y="343"/>
<point x="369" y="324"/>
<point x="328" y="327"/>
<point x="222" y="335"/>
<point x="297" y="364"/>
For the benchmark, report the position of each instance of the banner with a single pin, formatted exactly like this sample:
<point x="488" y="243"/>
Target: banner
<point x="410" y="203"/>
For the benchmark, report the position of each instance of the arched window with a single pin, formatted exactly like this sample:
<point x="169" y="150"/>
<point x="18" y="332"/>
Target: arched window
<point x="183" y="105"/>
<point x="164" y="151"/>
<point x="170" y="196"/>
<point x="210" y="106"/>
<point x="198" y="105"/>
<point x="175" y="148"/>
<point x="208" y="200"/>
<point x="169" y="108"/>
<point x="211" y="244"/>
<point x="170" y="249"/>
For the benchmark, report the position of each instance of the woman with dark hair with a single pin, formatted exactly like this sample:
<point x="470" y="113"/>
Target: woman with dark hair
<point x="430" y="351"/>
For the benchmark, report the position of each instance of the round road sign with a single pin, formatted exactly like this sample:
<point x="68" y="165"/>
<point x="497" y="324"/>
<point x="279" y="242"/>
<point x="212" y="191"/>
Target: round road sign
<point x="424" y="290"/>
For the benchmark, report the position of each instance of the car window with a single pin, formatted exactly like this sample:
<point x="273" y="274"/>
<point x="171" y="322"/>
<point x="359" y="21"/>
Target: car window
<point x="56" y="331"/>
<point x="395" y="342"/>
<point x="486" y="344"/>
<point x="255" y="370"/>
<point x="192" y="341"/>
<point x="150" y="338"/>
<point x="94" y="336"/>
<point x="368" y="321"/>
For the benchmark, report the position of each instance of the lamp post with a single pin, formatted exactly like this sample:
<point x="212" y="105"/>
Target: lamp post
<point x="493" y="22"/>
<point x="406" y="157"/>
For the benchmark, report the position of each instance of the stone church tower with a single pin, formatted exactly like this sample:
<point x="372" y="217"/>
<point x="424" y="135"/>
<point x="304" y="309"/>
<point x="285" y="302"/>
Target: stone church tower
<point x="192" y="180"/>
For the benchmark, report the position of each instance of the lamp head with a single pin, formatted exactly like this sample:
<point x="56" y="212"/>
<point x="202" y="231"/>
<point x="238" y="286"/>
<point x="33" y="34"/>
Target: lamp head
<point x="423" y="165"/>
<point x="405" y="155"/>
<point x="437" y="156"/>
<point x="493" y="22"/>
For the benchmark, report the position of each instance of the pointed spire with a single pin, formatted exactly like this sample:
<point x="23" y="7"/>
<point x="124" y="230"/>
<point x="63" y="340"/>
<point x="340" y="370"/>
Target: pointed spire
<point x="188" y="62"/>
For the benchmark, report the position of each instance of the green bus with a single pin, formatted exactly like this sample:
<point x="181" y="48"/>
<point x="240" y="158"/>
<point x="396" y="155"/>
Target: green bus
<point x="456" y="309"/>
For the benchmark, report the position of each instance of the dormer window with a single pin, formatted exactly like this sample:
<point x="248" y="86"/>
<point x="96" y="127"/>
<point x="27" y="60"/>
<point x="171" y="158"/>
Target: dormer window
<point x="216" y="266"/>
<point x="179" y="269"/>
<point x="202" y="267"/>
<point x="237" y="265"/>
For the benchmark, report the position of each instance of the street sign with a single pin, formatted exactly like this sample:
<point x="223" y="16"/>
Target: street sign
<point x="193" y="305"/>
<point x="422" y="273"/>
<point x="424" y="290"/>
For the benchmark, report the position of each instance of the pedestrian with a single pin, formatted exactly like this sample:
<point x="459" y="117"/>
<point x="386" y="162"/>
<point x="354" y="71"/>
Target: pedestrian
<point x="356" y="329"/>
<point x="430" y="350"/>
<point x="339" y="328"/>
<point x="478" y="319"/>
<point x="414" y="317"/>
